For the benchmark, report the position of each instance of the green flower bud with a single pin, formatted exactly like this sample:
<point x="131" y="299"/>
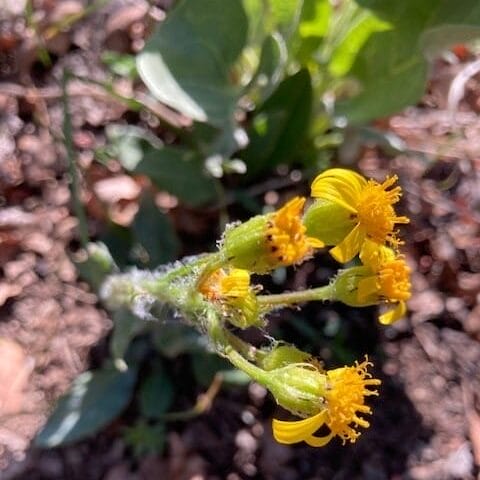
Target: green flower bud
<point x="283" y="355"/>
<point x="298" y="387"/>
<point x="346" y="285"/>
<point x="328" y="221"/>
<point x="245" y="246"/>
<point x="269" y="241"/>
<point x="230" y="289"/>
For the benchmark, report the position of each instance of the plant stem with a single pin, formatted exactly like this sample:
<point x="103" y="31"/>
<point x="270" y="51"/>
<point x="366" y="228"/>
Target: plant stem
<point x="321" y="293"/>
<point x="258" y="374"/>
<point x="248" y="351"/>
<point x="74" y="180"/>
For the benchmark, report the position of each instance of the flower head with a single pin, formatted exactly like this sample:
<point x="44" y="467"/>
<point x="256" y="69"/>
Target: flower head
<point x="390" y="279"/>
<point x="269" y="241"/>
<point x="384" y="278"/>
<point x="345" y="392"/>
<point x="370" y="208"/>
<point x="231" y="289"/>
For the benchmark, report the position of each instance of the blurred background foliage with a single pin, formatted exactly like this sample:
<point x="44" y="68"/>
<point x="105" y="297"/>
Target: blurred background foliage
<point x="253" y="87"/>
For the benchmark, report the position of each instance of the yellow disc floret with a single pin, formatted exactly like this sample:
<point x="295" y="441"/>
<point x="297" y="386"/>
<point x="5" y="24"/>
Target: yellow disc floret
<point x="345" y="393"/>
<point x="285" y="235"/>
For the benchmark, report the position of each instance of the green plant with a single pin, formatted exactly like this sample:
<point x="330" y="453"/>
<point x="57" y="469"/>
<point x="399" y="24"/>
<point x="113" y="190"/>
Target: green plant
<point x="275" y="82"/>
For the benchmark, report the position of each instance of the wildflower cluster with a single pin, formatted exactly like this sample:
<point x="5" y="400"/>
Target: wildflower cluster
<point x="351" y="215"/>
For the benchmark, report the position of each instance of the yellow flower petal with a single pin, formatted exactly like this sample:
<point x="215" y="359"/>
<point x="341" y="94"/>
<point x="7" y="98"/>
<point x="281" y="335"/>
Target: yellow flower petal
<point x="314" y="441"/>
<point x="297" y="431"/>
<point x="349" y="246"/>
<point x="393" y="314"/>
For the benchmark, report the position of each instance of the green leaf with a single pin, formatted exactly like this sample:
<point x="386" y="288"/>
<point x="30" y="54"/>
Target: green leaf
<point x="361" y="27"/>
<point x="120" y="63"/>
<point x="187" y="61"/>
<point x="129" y="142"/>
<point x="94" y="400"/>
<point x="314" y="23"/>
<point x="119" y="241"/>
<point x="173" y="339"/>
<point x="154" y="231"/>
<point x="179" y="172"/>
<point x="156" y="393"/>
<point x="280" y="124"/>
<point x="97" y="266"/>
<point x="146" y="439"/>
<point x="126" y="327"/>
<point x="273" y="59"/>
<point x="315" y="18"/>
<point x="390" y="67"/>
<point x="285" y="14"/>
<point x="206" y="365"/>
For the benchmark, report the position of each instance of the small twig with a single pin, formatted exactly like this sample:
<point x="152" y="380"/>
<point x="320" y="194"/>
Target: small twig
<point x="457" y="88"/>
<point x="204" y="403"/>
<point x="74" y="180"/>
<point x="92" y="88"/>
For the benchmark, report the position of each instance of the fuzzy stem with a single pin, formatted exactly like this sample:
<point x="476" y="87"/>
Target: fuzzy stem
<point x="258" y="374"/>
<point x="322" y="293"/>
<point x="248" y="351"/>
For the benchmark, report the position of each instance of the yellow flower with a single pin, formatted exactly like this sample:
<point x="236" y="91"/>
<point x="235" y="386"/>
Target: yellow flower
<point x="269" y="241"/>
<point x="370" y="207"/>
<point x="390" y="280"/>
<point x="232" y="290"/>
<point x="346" y="389"/>
<point x="286" y="237"/>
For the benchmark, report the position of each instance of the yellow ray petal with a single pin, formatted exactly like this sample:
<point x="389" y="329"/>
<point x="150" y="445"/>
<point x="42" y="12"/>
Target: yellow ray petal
<point x="349" y="246"/>
<point x="297" y="431"/>
<point x="393" y="314"/>
<point x="314" y="441"/>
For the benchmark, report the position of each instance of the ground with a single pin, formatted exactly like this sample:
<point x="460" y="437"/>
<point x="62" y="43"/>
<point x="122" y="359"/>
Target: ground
<point x="426" y="423"/>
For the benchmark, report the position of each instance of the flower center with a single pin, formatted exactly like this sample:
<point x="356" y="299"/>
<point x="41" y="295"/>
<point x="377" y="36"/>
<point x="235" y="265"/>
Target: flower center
<point x="346" y="398"/>
<point x="375" y="211"/>
<point x="394" y="280"/>
<point x="220" y="284"/>
<point x="285" y="235"/>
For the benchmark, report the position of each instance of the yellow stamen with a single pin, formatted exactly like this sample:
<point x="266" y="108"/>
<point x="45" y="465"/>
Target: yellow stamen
<point x="375" y="211"/>
<point x="285" y="235"/>
<point x="347" y="388"/>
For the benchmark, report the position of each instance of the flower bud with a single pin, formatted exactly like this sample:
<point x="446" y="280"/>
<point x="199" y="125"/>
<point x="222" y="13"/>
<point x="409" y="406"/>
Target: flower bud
<point x="232" y="292"/>
<point x="346" y="286"/>
<point x="283" y="355"/>
<point x="266" y="242"/>
<point x="298" y="387"/>
<point x="328" y="221"/>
